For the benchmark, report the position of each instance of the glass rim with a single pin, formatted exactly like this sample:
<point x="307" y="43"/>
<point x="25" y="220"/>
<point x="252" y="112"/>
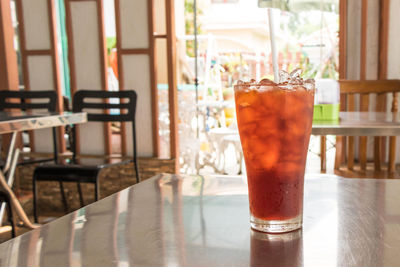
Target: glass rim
<point x="281" y="86"/>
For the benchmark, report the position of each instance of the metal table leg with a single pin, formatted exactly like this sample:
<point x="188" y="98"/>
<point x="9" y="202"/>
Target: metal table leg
<point x="9" y="168"/>
<point x="10" y="179"/>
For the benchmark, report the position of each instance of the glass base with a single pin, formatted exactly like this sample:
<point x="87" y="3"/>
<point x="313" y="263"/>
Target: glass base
<point x="275" y="226"/>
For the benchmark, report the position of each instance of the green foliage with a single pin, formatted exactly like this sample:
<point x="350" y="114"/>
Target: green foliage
<point x="300" y="24"/>
<point x="331" y="70"/>
<point x="309" y="71"/>
<point x="111" y="43"/>
<point x="304" y="23"/>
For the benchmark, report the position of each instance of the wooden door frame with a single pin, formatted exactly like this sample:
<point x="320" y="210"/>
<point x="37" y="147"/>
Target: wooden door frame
<point x="52" y="52"/>
<point x="150" y="52"/>
<point x="102" y="66"/>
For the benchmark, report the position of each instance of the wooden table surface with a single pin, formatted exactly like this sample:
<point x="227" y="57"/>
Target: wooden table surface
<point x="204" y="221"/>
<point x="360" y="124"/>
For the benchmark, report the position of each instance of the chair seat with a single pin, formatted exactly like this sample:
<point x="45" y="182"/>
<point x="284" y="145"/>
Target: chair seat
<point x="26" y="160"/>
<point x="89" y="169"/>
<point x="102" y="162"/>
<point x="67" y="173"/>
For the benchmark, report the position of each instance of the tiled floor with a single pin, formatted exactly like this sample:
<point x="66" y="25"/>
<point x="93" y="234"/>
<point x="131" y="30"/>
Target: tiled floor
<point x="5" y="232"/>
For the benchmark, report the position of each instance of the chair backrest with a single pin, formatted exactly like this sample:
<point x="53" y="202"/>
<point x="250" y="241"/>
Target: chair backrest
<point x="122" y="111"/>
<point x="349" y="89"/>
<point x="107" y="106"/>
<point x="41" y="100"/>
<point x="29" y="101"/>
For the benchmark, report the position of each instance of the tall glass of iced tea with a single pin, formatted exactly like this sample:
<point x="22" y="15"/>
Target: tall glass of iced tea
<point x="274" y="123"/>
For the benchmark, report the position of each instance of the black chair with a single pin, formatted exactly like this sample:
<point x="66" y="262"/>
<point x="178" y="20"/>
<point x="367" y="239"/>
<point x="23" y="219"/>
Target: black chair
<point x="4" y="198"/>
<point x="76" y="172"/>
<point x="42" y="100"/>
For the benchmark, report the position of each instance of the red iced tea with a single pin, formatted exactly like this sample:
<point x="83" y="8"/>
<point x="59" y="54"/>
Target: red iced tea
<point x="275" y="125"/>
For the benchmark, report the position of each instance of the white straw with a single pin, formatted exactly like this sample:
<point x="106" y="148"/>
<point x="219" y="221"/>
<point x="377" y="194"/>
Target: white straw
<point x="273" y="47"/>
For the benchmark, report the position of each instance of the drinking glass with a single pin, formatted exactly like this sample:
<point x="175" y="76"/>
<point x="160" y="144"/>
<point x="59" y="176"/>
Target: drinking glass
<point x="274" y="122"/>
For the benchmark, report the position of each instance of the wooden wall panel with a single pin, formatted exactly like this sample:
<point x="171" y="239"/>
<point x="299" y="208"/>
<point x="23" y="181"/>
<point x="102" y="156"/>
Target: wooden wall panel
<point x="160" y="26"/>
<point x="86" y="45"/>
<point x="372" y="58"/>
<point x="393" y="61"/>
<point x="360" y="50"/>
<point x="137" y="77"/>
<point x="353" y="39"/>
<point x="393" y="51"/>
<point x="38" y="67"/>
<point x="88" y="70"/>
<point x="37" y="31"/>
<point x="372" y="40"/>
<point x="172" y="81"/>
<point x="134" y="26"/>
<point x="136" y="67"/>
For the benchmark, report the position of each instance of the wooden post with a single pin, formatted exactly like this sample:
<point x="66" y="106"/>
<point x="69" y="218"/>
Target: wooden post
<point x="143" y="47"/>
<point x="323" y="153"/>
<point x="380" y="142"/>
<point x="341" y="140"/>
<point x="364" y="98"/>
<point x="8" y="56"/>
<point x="172" y="82"/>
<point x="88" y="37"/>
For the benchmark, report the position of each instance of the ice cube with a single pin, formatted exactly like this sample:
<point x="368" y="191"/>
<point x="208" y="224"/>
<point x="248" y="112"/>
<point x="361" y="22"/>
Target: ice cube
<point x="290" y="170"/>
<point x="284" y="76"/>
<point x="295" y="127"/>
<point x="267" y="82"/>
<point x="249" y="128"/>
<point x="295" y="73"/>
<point x="246" y="115"/>
<point x="270" y="156"/>
<point x="296" y="81"/>
<point x="301" y="88"/>
<point x="309" y="84"/>
<point x="245" y="99"/>
<point x="291" y="156"/>
<point x="268" y="127"/>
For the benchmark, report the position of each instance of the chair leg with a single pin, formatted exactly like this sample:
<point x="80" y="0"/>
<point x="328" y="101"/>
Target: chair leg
<point x="78" y="184"/>
<point x="34" y="188"/>
<point x="11" y="219"/>
<point x="96" y="189"/>
<point x="339" y="151"/>
<point x="137" y="171"/>
<point x="323" y="153"/>
<point x="63" y="197"/>
<point x="392" y="154"/>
